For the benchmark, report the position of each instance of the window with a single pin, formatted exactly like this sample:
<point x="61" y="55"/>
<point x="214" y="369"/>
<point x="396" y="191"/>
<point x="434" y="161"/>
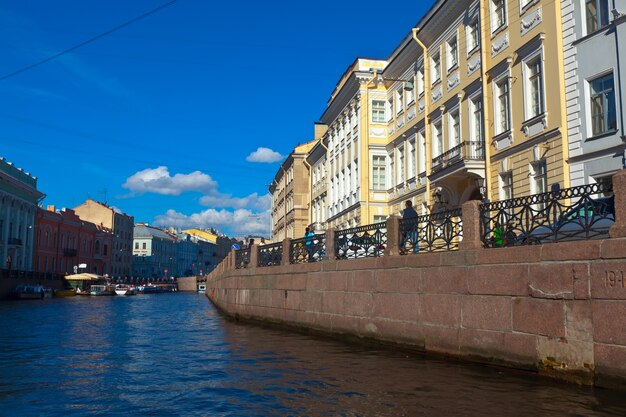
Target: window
<point x="603" y="115"/>
<point x="421" y="164"/>
<point x="390" y="108"/>
<point x="136" y="245"/>
<point x="412" y="160"/>
<point x="379" y="219"/>
<point x="534" y="82"/>
<point x="437" y="139"/>
<point x="597" y="14"/>
<point x="453" y="54"/>
<point x="378" y="111"/>
<point x="378" y="173"/>
<point x="435" y="65"/>
<point x="476" y="117"/>
<point x="506" y="185"/>
<point x="400" y="165"/>
<point x="502" y="110"/>
<point x="420" y="82"/>
<point x="498" y="14"/>
<point x="454" y="130"/>
<point x="473" y="36"/>
<point x="410" y="95"/>
<point x="399" y="101"/>
<point x="539" y="183"/>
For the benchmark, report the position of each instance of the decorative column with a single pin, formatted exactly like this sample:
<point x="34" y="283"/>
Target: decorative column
<point x="619" y="191"/>
<point x="393" y="236"/>
<point x="471" y="225"/>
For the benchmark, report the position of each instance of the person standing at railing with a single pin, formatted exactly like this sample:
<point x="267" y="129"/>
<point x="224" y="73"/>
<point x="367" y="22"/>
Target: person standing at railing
<point x="409" y="231"/>
<point x="308" y="241"/>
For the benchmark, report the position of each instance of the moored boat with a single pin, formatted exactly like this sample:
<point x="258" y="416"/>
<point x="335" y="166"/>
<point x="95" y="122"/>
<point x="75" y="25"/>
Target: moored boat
<point x="105" y="289"/>
<point x="29" y="292"/>
<point x="121" y="289"/>
<point x="65" y="292"/>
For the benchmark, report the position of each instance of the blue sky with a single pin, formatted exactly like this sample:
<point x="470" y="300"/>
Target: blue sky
<point x="181" y="118"/>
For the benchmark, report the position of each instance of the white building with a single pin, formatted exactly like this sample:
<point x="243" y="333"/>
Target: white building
<point x="594" y="38"/>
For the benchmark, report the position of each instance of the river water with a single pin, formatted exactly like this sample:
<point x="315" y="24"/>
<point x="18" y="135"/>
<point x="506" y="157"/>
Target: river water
<point x="175" y="355"/>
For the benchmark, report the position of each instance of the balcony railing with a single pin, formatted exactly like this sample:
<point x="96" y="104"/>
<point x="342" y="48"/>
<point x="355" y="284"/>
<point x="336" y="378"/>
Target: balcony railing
<point x="577" y="213"/>
<point x="367" y="241"/>
<point x="464" y="151"/>
<point x="270" y="255"/>
<point x="432" y="232"/>
<point x="307" y="249"/>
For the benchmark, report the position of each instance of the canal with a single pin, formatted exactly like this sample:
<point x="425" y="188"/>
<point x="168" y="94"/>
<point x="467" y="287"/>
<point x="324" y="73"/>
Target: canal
<point x="175" y="355"/>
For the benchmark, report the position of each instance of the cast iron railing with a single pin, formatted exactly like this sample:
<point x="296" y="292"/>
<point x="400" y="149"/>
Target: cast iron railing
<point x="270" y="255"/>
<point x="367" y="241"/>
<point x="431" y="232"/>
<point x="466" y="150"/>
<point x="242" y="258"/>
<point x="577" y="213"/>
<point x="307" y="249"/>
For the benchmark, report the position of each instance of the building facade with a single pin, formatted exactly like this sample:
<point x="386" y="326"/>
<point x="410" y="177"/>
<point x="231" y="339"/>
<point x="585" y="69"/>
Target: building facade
<point x="316" y="159"/>
<point x="594" y="38"/>
<point x="121" y="225"/>
<point x="154" y="252"/>
<point x="19" y="198"/>
<point x="290" y="192"/>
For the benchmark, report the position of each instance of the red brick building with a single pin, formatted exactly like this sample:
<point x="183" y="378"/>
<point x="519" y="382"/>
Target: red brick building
<point x="63" y="242"/>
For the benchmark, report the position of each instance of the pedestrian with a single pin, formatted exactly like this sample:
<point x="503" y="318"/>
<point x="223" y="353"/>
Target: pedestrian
<point x="409" y="229"/>
<point x="309" y="235"/>
<point x="250" y="243"/>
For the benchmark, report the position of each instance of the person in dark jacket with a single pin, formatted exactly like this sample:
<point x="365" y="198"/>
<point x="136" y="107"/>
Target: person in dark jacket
<point x="409" y="232"/>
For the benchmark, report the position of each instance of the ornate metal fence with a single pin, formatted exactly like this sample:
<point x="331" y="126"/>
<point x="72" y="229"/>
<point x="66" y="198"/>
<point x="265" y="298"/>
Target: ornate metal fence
<point x="307" y="249"/>
<point x="361" y="242"/>
<point x="432" y="232"/>
<point x="270" y="255"/>
<point x="577" y="213"/>
<point x="242" y="258"/>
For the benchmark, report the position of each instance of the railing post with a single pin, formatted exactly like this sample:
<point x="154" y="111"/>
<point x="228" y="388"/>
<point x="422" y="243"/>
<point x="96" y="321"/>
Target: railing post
<point x="330" y="245"/>
<point x="231" y="259"/>
<point x="254" y="256"/>
<point x="393" y="236"/>
<point x="619" y="191"/>
<point x="470" y="215"/>
<point x="286" y="250"/>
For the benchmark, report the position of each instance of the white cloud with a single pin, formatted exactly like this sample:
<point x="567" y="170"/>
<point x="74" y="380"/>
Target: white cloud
<point x="264" y="155"/>
<point x="160" y="181"/>
<point x="251" y="202"/>
<point x="234" y="223"/>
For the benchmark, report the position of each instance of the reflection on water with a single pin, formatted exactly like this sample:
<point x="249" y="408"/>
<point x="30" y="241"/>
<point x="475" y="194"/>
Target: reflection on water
<point x="173" y="354"/>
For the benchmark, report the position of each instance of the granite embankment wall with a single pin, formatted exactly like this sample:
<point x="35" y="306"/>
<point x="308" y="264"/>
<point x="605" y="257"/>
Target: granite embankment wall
<point x="556" y="308"/>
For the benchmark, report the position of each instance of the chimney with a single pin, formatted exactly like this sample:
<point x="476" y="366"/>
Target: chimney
<point x="320" y="129"/>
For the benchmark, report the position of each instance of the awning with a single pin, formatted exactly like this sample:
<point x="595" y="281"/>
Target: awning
<point x="84" y="277"/>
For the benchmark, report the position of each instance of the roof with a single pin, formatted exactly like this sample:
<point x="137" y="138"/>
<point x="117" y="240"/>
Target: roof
<point x="142" y="230"/>
<point x="202" y="234"/>
<point x="84" y="277"/>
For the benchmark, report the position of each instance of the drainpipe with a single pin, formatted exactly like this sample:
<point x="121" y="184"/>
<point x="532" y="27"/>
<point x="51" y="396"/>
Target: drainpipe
<point x="484" y="36"/>
<point x="563" y="104"/>
<point x="428" y="139"/>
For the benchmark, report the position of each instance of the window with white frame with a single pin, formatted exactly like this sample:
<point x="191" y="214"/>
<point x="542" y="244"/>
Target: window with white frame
<point x="452" y="57"/>
<point x="379" y="219"/>
<point x="539" y="183"/>
<point x="412" y="159"/>
<point x="534" y="87"/>
<point x="420" y="82"/>
<point x="437" y="133"/>
<point x="473" y="35"/>
<point x="399" y="101"/>
<point x="390" y="109"/>
<point x="379" y="182"/>
<point x="597" y="14"/>
<point x="435" y="68"/>
<point x="603" y="114"/>
<point x="476" y="118"/>
<point x="498" y="14"/>
<point x="400" y="165"/>
<point x="502" y="106"/>
<point x="410" y="95"/>
<point x="506" y="185"/>
<point x="454" y="128"/>
<point x="421" y="161"/>
<point x="378" y="111"/>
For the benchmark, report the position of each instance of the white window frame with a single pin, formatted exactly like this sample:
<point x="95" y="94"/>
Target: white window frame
<point x="380" y="169"/>
<point x="452" y="54"/>
<point x="420" y="82"/>
<point x="400" y="165"/>
<point x="437" y="134"/>
<point x="536" y="56"/>
<point x="590" y="117"/>
<point x="496" y="25"/>
<point x="497" y="104"/>
<point x="412" y="163"/>
<point x="377" y="110"/>
<point x="421" y="155"/>
<point x="601" y="20"/>
<point x="472" y="32"/>
<point x="454" y="115"/>
<point x="506" y="188"/>
<point x="475" y="118"/>
<point x="435" y="62"/>
<point x="399" y="99"/>
<point x="538" y="176"/>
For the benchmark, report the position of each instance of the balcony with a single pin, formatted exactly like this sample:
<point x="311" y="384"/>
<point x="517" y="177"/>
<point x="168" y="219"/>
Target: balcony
<point x="13" y="241"/>
<point x="466" y="155"/>
<point x="69" y="252"/>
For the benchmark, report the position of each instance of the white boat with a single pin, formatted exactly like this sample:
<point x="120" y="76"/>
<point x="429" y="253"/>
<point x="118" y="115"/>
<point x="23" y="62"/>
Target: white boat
<point x="102" y="290"/>
<point x="121" y="289"/>
<point x="202" y="288"/>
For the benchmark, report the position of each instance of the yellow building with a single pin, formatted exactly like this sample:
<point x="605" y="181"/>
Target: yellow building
<point x="291" y="197"/>
<point x="353" y="142"/>
<point x="466" y="101"/>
